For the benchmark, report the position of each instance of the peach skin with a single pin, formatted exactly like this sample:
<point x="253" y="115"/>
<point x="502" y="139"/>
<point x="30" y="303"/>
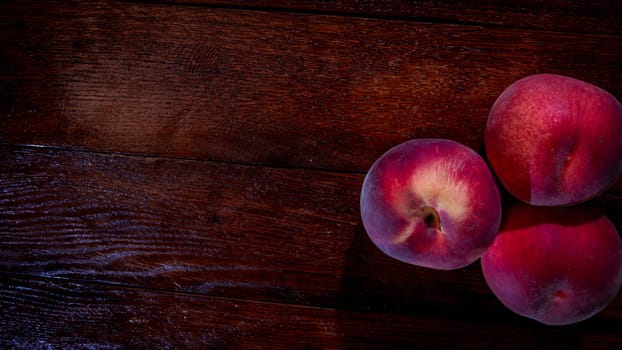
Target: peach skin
<point x="554" y="140"/>
<point x="431" y="203"/>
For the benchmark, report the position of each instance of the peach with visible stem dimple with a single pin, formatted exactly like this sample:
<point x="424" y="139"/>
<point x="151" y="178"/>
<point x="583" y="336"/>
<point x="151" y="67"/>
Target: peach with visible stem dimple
<point x="431" y="203"/>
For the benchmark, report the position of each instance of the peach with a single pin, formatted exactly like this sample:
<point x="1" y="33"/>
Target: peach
<point x="556" y="265"/>
<point x="431" y="203"/>
<point x="554" y="140"/>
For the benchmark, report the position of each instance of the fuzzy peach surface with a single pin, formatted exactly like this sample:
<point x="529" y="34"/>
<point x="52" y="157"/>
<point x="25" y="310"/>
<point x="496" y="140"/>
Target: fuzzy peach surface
<point x="554" y="140"/>
<point x="432" y="203"/>
<point x="555" y="265"/>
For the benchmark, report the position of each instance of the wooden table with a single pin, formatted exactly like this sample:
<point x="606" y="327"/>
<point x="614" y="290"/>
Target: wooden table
<point x="186" y="174"/>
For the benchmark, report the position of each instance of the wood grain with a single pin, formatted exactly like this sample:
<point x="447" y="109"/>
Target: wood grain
<point x="289" y="236"/>
<point x="284" y="89"/>
<point x="568" y="15"/>
<point x="280" y="235"/>
<point x="204" y="227"/>
<point x="188" y="175"/>
<point x="70" y="314"/>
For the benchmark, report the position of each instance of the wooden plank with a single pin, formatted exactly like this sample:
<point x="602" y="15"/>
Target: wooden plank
<point x="195" y="226"/>
<point x="285" y="89"/>
<point x="43" y="313"/>
<point x="289" y="236"/>
<point x="280" y="235"/>
<point x="568" y="15"/>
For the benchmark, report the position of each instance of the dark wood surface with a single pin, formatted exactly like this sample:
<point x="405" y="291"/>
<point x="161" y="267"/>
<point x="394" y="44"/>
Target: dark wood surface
<point x="187" y="174"/>
<point x="580" y="16"/>
<point x="280" y="89"/>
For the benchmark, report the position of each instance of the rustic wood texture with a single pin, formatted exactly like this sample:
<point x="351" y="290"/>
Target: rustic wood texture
<point x="255" y="87"/>
<point x="285" y="236"/>
<point x="290" y="236"/>
<point x="65" y="313"/>
<point x="567" y="15"/>
<point x="180" y="176"/>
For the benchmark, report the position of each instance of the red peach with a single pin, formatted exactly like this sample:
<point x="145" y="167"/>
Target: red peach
<point x="554" y="140"/>
<point x="431" y="203"/>
<point x="555" y="265"/>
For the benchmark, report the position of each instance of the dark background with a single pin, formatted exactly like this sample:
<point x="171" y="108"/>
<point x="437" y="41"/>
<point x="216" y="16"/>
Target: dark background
<point x="186" y="174"/>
